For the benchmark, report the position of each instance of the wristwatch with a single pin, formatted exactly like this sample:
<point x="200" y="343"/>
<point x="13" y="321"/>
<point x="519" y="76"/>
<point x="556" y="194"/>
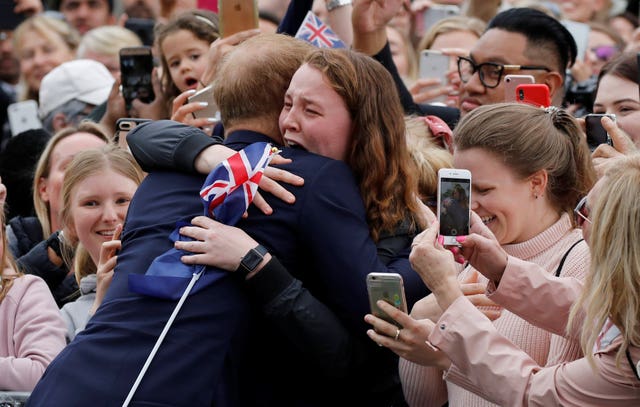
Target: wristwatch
<point x="334" y="4"/>
<point x="251" y="260"/>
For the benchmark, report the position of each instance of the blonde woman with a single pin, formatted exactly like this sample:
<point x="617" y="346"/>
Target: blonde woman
<point x="41" y="43"/>
<point x="31" y="329"/>
<point x="97" y="189"/>
<point x="35" y="241"/>
<point x="604" y="313"/>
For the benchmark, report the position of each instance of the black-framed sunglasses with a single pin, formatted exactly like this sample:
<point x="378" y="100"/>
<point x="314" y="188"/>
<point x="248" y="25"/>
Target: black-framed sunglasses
<point x="490" y="72"/>
<point x="582" y="212"/>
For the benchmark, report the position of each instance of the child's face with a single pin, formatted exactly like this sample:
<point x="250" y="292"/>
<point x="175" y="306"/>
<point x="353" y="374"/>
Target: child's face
<point x="186" y="57"/>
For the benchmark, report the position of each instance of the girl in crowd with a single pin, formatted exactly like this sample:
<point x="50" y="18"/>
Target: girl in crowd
<point x="41" y="43"/>
<point x="603" y="314"/>
<point x="183" y="44"/>
<point x="97" y="189"/>
<point x="35" y="241"/>
<point x="617" y="93"/>
<point x="529" y="168"/>
<point x="31" y="329"/>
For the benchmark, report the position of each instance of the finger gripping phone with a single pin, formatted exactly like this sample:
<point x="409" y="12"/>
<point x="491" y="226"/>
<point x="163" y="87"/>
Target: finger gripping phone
<point x="388" y="287"/>
<point x="136" y="65"/>
<point x="596" y="134"/>
<point x="205" y="95"/>
<point x="454" y="202"/>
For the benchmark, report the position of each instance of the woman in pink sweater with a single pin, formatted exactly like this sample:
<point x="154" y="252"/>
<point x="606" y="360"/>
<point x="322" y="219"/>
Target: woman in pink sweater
<point x="529" y="168"/>
<point x="31" y="328"/>
<point x="604" y="314"/>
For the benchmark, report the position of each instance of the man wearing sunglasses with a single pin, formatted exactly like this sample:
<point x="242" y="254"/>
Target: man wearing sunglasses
<point x="517" y="41"/>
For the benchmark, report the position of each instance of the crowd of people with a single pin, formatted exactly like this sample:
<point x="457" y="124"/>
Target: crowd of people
<point x="538" y="305"/>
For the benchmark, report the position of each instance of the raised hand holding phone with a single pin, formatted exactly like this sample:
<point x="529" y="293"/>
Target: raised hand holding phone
<point x="454" y="202"/>
<point x="388" y="287"/>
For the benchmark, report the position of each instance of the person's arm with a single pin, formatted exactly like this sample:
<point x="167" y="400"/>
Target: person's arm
<point x="530" y="292"/>
<point x="284" y="301"/>
<point x="169" y="145"/>
<point x="369" y="19"/>
<point x="33" y="326"/>
<point x="486" y="363"/>
<point x="294" y="16"/>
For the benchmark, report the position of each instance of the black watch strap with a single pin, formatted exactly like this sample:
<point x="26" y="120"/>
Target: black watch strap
<point x="251" y="260"/>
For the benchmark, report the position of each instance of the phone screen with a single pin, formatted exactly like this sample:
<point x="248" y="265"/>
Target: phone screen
<point x="388" y="287"/>
<point x="453" y="211"/>
<point x="596" y="134"/>
<point x="136" y="65"/>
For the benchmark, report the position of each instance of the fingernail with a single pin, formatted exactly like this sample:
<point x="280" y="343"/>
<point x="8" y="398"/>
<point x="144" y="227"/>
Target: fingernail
<point x="441" y="239"/>
<point x="212" y="120"/>
<point x="461" y="239"/>
<point x="460" y="259"/>
<point x="191" y="91"/>
<point x="203" y="104"/>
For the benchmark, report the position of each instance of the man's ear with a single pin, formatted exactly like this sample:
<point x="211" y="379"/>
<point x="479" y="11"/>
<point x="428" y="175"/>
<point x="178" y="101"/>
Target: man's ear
<point x="59" y="122"/>
<point x="556" y="87"/>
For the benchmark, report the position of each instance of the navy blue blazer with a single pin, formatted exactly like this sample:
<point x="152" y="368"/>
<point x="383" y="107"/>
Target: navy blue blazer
<point x="199" y="362"/>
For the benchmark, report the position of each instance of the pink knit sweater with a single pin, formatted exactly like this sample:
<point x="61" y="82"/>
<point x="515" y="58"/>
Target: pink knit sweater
<point x="423" y="386"/>
<point x="32" y="333"/>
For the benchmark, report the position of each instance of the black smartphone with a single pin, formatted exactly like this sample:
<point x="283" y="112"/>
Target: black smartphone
<point x="596" y="134"/>
<point x="8" y="19"/>
<point x="143" y="27"/>
<point x="123" y="126"/>
<point x="136" y="65"/>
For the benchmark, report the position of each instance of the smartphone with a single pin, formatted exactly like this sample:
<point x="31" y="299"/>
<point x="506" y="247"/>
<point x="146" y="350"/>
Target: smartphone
<point x="237" y="15"/>
<point x="388" y="287"/>
<point x="454" y="203"/>
<point x="123" y="126"/>
<point x="430" y="16"/>
<point x="580" y="34"/>
<point x="136" y="65"/>
<point x="23" y="116"/>
<point x="536" y="94"/>
<point x="511" y="82"/>
<point x="142" y="27"/>
<point x="205" y="95"/>
<point x="434" y="64"/>
<point x="596" y="134"/>
<point x="8" y="19"/>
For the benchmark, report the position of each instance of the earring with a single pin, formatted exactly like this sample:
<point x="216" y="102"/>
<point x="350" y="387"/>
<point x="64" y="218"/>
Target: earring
<point x="535" y="196"/>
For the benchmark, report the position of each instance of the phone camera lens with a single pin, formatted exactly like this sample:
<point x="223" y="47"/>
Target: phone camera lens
<point x="521" y="94"/>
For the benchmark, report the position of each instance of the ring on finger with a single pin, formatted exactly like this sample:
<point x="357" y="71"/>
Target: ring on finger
<point x="395" y="338"/>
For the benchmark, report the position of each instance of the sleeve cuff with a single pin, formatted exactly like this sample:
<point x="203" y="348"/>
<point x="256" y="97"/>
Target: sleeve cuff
<point x="269" y="282"/>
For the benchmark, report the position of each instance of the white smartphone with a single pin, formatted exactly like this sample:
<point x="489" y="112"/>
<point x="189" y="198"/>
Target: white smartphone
<point x="436" y="12"/>
<point x="23" y="116"/>
<point x="388" y="287"/>
<point x="511" y="82"/>
<point x="205" y="95"/>
<point x="580" y="33"/>
<point x="434" y="64"/>
<point x="454" y="203"/>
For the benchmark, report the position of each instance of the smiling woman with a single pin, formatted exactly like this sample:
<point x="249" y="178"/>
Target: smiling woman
<point x="530" y="167"/>
<point x="97" y="189"/>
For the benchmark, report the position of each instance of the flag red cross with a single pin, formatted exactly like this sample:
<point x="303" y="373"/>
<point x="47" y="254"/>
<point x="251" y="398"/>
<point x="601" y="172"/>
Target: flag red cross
<point x="318" y="33"/>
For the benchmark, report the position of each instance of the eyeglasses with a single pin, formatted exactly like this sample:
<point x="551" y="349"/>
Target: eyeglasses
<point x="490" y="72"/>
<point x="605" y="52"/>
<point x="582" y="212"/>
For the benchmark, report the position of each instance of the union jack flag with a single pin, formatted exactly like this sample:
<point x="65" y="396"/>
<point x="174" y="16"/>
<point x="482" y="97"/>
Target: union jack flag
<point x="317" y="33"/>
<point x="226" y="195"/>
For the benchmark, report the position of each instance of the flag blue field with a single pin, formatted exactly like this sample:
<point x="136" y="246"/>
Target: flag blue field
<point x="317" y="33"/>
